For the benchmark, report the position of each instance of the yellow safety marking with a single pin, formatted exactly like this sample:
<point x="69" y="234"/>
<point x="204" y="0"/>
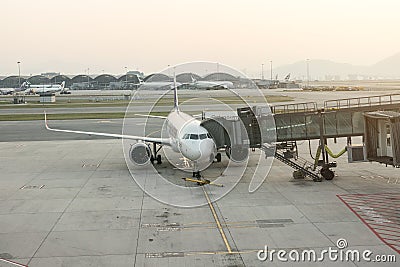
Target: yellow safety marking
<point x="218" y="222"/>
<point x="213" y="227"/>
<point x="226" y="223"/>
<point x="202" y="182"/>
<point x="219" y="252"/>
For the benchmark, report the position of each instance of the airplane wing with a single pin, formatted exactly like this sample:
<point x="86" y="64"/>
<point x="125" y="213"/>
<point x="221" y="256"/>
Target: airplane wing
<point x="151" y="116"/>
<point x="163" y="141"/>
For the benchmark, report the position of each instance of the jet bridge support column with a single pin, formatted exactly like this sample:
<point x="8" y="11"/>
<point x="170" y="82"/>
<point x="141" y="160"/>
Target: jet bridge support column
<point x="321" y="135"/>
<point x="325" y="171"/>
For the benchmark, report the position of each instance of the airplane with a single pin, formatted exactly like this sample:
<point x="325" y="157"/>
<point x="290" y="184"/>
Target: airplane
<point x="42" y="88"/>
<point x="185" y="136"/>
<point x="159" y="85"/>
<point x="211" y="84"/>
<point x="10" y="91"/>
<point x="7" y="91"/>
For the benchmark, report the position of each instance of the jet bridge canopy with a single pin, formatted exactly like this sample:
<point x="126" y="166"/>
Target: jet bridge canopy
<point x="382" y="137"/>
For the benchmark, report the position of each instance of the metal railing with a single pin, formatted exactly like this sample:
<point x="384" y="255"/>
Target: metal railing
<point x="294" y="108"/>
<point x="366" y="101"/>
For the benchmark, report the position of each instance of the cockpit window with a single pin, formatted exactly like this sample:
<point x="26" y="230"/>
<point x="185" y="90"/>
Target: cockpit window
<point x="209" y="135"/>
<point x="203" y="136"/>
<point x="194" y="136"/>
<point x="186" y="136"/>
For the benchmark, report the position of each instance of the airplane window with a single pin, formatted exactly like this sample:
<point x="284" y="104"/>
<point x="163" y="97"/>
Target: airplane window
<point x="194" y="136"/>
<point x="203" y="136"/>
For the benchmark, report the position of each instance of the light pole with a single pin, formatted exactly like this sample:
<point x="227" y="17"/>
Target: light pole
<point x="88" y="80"/>
<point x="262" y="71"/>
<point x="19" y="74"/>
<point x="270" y="62"/>
<point x="126" y="76"/>
<point x="218" y="71"/>
<point x="308" y="73"/>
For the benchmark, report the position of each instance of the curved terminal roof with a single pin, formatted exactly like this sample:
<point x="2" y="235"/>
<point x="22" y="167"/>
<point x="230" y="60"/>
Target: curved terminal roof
<point x="39" y="79"/>
<point x="11" y="81"/>
<point x="81" y="78"/>
<point x="157" y="77"/>
<point x="220" y="76"/>
<point x="130" y="78"/>
<point x="105" y="79"/>
<point x="187" y="77"/>
<point x="60" y="78"/>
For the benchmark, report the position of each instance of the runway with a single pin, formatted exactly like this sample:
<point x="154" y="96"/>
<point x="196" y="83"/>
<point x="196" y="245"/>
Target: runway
<point x="69" y="200"/>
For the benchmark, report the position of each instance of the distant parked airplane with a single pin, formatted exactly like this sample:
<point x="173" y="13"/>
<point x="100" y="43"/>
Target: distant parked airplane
<point x="42" y="88"/>
<point x="211" y="84"/>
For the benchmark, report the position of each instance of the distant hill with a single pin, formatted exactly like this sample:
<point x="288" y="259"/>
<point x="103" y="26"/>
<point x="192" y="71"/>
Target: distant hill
<point x="388" y="67"/>
<point x="320" y="69"/>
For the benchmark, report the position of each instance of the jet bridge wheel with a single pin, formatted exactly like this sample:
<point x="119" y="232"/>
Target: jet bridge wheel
<point x="327" y="173"/>
<point x="218" y="157"/>
<point x="298" y="175"/>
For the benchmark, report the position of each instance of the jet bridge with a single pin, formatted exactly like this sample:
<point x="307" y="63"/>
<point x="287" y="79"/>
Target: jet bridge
<point x="382" y="137"/>
<point x="305" y="121"/>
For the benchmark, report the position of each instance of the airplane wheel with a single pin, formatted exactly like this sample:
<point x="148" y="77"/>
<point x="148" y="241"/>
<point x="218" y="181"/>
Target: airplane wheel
<point x="327" y="174"/>
<point x="218" y="157"/>
<point x="159" y="159"/>
<point x="152" y="160"/>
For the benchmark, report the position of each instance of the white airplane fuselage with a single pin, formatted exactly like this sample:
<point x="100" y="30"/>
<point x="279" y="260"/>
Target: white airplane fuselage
<point x="43" y="88"/>
<point x="189" y="138"/>
<point x="213" y="84"/>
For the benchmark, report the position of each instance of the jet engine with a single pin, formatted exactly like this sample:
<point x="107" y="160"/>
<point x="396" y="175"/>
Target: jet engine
<point x="140" y="154"/>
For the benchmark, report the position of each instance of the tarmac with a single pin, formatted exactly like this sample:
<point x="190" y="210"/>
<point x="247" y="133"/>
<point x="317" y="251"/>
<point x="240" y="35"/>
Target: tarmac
<point x="74" y="203"/>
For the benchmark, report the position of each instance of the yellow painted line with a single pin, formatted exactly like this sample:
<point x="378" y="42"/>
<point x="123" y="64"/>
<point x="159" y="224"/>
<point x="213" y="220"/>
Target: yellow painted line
<point x="219" y="252"/>
<point x="226" y="223"/>
<point x="218" y="222"/>
<point x="213" y="227"/>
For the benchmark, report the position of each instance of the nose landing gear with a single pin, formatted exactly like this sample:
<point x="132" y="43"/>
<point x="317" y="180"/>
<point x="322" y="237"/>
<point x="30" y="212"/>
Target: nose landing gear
<point x="196" y="175"/>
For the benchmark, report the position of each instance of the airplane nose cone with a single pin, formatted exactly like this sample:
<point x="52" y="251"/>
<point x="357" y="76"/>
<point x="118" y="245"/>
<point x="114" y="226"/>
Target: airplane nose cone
<point x="207" y="149"/>
<point x="199" y="151"/>
<point x="191" y="151"/>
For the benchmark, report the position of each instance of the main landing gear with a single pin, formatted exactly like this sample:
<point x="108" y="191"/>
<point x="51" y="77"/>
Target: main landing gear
<point x="155" y="156"/>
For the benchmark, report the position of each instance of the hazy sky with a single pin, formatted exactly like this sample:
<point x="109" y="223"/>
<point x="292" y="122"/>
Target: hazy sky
<point x="71" y="36"/>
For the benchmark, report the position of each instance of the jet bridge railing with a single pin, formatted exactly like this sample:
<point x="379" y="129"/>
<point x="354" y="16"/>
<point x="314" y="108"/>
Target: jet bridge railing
<point x="358" y="102"/>
<point x="294" y="108"/>
<point x="302" y="121"/>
